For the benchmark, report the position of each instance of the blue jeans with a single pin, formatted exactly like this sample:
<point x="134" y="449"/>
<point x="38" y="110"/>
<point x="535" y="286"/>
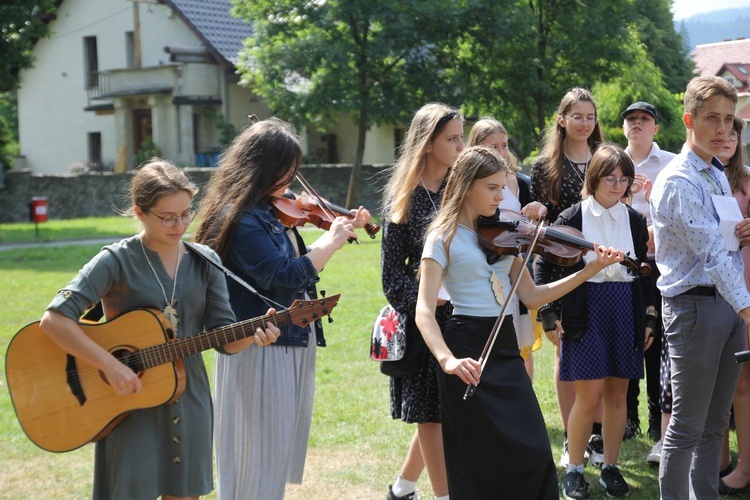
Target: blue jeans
<point x="703" y="334"/>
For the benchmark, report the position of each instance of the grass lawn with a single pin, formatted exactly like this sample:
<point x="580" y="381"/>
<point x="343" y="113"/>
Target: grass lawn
<point x="355" y="448"/>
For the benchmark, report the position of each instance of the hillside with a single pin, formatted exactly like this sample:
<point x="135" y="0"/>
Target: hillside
<point x="715" y="26"/>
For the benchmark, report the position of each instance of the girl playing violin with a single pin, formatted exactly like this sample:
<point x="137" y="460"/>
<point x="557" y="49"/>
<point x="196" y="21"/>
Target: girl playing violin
<point x="604" y="328"/>
<point x="496" y="444"/>
<point x="264" y="399"/>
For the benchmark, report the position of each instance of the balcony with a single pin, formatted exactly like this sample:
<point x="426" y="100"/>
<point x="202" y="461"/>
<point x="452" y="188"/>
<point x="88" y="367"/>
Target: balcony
<point x="188" y="80"/>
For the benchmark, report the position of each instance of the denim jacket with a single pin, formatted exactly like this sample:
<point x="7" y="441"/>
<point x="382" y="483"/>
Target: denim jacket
<point x="262" y="254"/>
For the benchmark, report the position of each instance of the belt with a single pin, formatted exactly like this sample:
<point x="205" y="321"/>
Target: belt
<point x="703" y="291"/>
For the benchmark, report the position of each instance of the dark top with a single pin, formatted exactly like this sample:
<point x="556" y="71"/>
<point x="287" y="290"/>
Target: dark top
<point x="574" y="304"/>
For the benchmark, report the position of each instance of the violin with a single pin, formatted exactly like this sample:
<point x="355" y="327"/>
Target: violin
<point x="300" y="209"/>
<point x="510" y="233"/>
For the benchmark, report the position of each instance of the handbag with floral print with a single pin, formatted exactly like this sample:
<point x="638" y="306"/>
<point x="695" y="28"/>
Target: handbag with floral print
<point x="388" y="342"/>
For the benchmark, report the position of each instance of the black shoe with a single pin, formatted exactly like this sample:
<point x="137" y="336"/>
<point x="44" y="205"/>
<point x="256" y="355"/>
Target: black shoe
<point x="392" y="496"/>
<point x="613" y="482"/>
<point x="654" y="433"/>
<point x="632" y="429"/>
<point x="728" y="490"/>
<point x="575" y="486"/>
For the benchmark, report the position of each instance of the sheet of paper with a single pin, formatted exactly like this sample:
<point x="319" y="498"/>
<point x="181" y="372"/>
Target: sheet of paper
<point x="443" y="294"/>
<point x="729" y="216"/>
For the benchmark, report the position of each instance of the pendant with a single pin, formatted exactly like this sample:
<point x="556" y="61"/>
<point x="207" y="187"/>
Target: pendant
<point x="497" y="288"/>
<point x="171" y="313"/>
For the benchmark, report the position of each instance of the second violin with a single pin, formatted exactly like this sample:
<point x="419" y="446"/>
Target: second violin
<point x="510" y="233"/>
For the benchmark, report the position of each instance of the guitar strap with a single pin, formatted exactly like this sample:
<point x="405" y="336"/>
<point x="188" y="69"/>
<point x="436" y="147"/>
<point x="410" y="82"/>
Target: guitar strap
<point x="230" y="274"/>
<point x="96" y="312"/>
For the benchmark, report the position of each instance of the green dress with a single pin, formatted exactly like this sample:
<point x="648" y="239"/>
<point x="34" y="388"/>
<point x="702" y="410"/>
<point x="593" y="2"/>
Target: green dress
<point x="167" y="449"/>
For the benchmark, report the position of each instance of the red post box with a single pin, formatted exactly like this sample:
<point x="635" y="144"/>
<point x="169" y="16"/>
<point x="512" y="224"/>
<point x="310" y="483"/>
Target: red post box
<point x="39" y="209"/>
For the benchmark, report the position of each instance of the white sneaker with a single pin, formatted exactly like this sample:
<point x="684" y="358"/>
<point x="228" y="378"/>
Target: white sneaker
<point x="596" y="450"/>
<point x="654" y="457"/>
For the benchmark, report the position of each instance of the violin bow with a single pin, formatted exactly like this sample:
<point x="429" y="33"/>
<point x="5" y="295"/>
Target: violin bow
<point x="470" y="388"/>
<point x="310" y="190"/>
<point x="322" y="204"/>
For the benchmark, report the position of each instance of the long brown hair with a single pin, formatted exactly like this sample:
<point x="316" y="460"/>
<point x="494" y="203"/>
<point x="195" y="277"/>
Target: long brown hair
<point x="427" y="123"/>
<point x="262" y="158"/>
<point x="735" y="169"/>
<point x="476" y="162"/>
<point x="553" y="154"/>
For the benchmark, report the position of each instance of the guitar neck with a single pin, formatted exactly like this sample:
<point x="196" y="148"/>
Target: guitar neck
<point x="181" y="348"/>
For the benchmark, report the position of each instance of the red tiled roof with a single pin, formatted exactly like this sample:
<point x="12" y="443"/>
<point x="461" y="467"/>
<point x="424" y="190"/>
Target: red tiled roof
<point x="740" y="75"/>
<point x="710" y="57"/>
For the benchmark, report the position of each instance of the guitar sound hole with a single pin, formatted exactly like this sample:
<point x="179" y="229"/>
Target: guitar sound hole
<point x="129" y="359"/>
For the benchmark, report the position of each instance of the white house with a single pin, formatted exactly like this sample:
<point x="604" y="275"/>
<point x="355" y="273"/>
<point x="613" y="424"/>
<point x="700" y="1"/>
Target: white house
<point x="116" y="72"/>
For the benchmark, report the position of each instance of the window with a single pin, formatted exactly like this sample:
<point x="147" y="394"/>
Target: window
<point x="95" y="148"/>
<point x="91" y="60"/>
<point x="129" y="50"/>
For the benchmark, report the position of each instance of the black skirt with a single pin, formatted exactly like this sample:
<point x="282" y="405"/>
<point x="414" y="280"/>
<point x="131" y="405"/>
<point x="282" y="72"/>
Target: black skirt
<point x="496" y="443"/>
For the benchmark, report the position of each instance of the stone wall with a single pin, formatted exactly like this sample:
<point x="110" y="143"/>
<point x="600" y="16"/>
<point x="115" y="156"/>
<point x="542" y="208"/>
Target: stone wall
<point x="73" y="196"/>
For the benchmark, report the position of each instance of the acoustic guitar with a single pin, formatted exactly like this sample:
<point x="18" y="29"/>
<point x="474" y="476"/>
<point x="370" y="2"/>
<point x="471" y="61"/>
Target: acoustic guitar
<point x="63" y="403"/>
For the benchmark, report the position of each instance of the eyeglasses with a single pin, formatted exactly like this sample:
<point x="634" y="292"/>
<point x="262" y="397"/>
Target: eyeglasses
<point x="171" y="220"/>
<point x="611" y="180"/>
<point x="580" y="119"/>
<point x="734" y="136"/>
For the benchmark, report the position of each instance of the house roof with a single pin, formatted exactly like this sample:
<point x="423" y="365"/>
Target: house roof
<point x="744" y="113"/>
<point x="741" y="73"/>
<point x="710" y="57"/>
<point x="213" y="23"/>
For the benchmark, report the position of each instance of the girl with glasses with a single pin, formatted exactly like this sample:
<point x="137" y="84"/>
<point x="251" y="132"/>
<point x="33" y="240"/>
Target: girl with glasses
<point x="556" y="182"/>
<point x="601" y="328"/>
<point x="163" y="451"/>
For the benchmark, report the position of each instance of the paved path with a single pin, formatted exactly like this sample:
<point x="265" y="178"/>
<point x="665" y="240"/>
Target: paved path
<point x="92" y="241"/>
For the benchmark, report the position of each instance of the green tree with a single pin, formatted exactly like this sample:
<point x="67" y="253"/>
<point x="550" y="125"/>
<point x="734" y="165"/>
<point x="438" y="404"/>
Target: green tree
<point x="313" y="61"/>
<point x="518" y="57"/>
<point x="22" y="22"/>
<point x="640" y="80"/>
<point x="666" y="47"/>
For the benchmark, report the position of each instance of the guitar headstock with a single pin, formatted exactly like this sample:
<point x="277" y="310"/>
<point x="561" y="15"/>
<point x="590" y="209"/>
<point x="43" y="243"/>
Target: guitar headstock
<point x="304" y="312"/>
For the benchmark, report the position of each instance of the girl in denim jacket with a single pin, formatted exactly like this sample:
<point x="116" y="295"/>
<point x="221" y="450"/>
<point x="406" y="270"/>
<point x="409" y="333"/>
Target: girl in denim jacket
<point x="264" y="400"/>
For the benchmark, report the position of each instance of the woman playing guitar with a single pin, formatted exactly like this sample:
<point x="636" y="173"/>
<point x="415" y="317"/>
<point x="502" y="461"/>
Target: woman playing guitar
<point x="166" y="450"/>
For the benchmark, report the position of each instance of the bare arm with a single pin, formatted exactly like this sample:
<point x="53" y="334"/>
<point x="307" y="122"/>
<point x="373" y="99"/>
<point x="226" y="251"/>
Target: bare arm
<point x="467" y="369"/>
<point x="535" y="296"/>
<point x="67" y="334"/>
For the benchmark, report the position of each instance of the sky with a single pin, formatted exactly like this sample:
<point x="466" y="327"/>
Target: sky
<point x="688" y="8"/>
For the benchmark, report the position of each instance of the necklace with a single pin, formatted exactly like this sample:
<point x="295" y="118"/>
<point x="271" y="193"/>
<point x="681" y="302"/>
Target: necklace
<point x="169" y="310"/>
<point x="577" y="170"/>
<point x="429" y="196"/>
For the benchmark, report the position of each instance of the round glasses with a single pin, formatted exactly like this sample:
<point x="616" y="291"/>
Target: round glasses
<point x="611" y="180"/>
<point x="580" y="119"/>
<point x="171" y="220"/>
<point x="734" y="136"/>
